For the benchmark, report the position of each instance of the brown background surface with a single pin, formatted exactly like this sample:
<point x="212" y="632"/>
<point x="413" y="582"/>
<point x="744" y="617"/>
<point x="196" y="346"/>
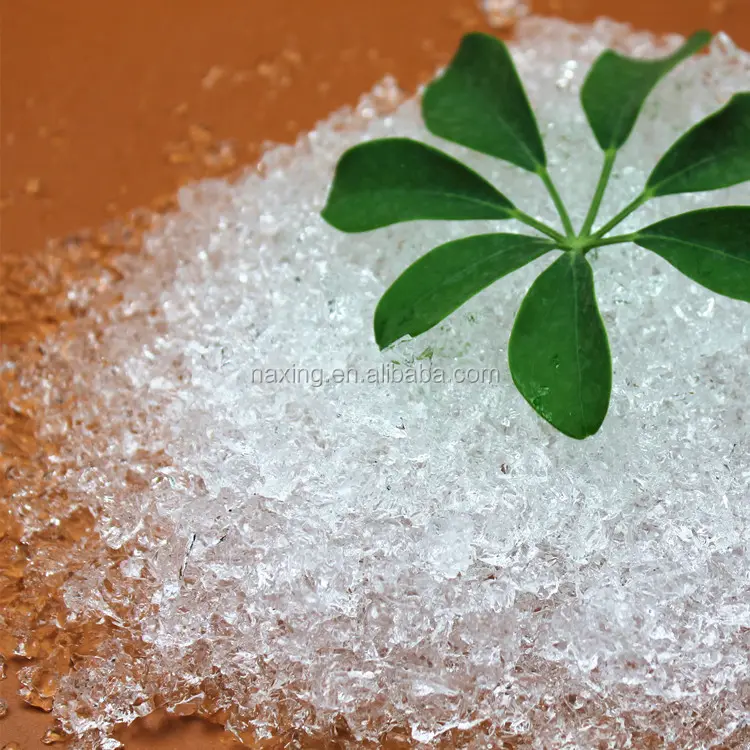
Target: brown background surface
<point x="108" y="105"/>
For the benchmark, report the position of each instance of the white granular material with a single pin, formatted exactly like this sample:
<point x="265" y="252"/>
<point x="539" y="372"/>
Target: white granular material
<point x="428" y="555"/>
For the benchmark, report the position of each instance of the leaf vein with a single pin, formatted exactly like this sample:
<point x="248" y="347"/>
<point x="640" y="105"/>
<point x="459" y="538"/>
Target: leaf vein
<point x="688" y="243"/>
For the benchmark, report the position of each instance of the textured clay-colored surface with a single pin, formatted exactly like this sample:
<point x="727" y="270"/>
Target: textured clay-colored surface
<point x="109" y="106"/>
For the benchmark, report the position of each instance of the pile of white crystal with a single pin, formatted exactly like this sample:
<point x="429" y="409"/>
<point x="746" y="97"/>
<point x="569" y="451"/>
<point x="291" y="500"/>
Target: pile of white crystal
<point x="425" y="555"/>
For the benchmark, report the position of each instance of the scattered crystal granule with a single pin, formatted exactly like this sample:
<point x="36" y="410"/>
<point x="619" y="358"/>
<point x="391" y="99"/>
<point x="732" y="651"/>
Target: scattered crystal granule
<point x="53" y="736"/>
<point x="502" y="14"/>
<point x="295" y="553"/>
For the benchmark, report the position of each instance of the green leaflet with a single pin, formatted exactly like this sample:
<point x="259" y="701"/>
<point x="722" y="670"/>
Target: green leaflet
<point x="446" y="277"/>
<point x="714" y="154"/>
<point x="396" y="179"/>
<point x="479" y="102"/>
<point x="617" y="86"/>
<point x="711" y="246"/>
<point x="559" y="353"/>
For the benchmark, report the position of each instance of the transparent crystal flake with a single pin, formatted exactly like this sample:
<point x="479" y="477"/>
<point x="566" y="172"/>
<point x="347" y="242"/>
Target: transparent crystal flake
<point x="502" y="14"/>
<point x="432" y="556"/>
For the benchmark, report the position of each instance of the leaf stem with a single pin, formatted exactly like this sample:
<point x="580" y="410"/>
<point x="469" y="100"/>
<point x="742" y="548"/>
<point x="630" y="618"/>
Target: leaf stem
<point x="618" y="239"/>
<point x="543" y="172"/>
<point x="629" y="209"/>
<point x="609" y="161"/>
<point x="538" y="225"/>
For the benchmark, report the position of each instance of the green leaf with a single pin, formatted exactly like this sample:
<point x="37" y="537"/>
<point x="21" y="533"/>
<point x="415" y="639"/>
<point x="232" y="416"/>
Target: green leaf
<point x="714" y="154"/>
<point x="558" y="352"/>
<point x="711" y="246"/>
<point x="617" y="86"/>
<point x="446" y="277"/>
<point x="396" y="179"/>
<point x="479" y="102"/>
